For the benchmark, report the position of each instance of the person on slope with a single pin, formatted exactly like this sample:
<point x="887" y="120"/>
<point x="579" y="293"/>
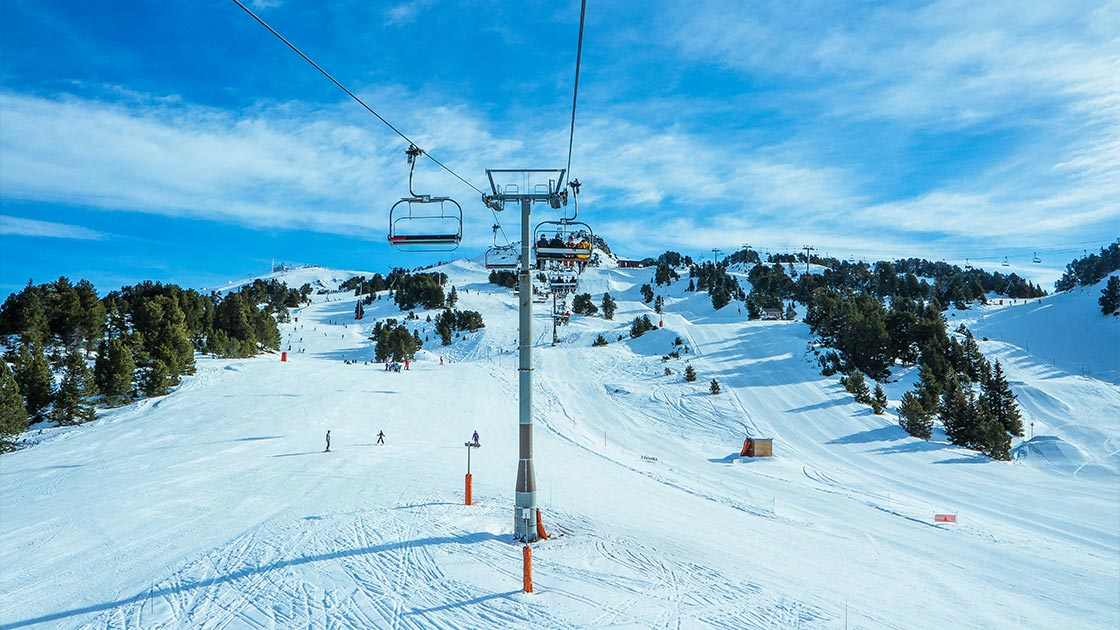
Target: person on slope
<point x="380" y="437"/>
<point x="328" y="449"/>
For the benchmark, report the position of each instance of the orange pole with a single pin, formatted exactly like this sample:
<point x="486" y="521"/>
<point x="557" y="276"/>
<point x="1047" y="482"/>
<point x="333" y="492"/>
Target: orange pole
<point x="527" y="573"/>
<point x="468" y="489"/>
<point x="543" y="535"/>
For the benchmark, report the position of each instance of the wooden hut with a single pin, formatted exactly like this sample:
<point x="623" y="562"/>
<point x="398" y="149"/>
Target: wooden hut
<point x="758" y="447"/>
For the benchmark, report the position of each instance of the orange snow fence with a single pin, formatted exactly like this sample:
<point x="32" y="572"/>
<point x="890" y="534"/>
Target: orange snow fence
<point x="543" y="535"/>
<point x="527" y="568"/>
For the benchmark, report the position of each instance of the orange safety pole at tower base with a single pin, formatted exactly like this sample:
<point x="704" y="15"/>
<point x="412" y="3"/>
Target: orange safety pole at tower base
<point x="540" y="527"/>
<point x="283" y="356"/>
<point x="527" y="555"/>
<point x="468" y="502"/>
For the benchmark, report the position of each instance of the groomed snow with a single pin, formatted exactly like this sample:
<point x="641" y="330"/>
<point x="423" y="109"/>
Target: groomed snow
<point x="216" y="507"/>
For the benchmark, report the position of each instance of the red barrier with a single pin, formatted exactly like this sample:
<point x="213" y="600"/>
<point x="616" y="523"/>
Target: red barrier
<point x="944" y="518"/>
<point x="283" y="356"/>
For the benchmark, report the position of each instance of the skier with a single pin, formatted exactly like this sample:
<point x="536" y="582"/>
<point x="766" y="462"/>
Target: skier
<point x="328" y="449"/>
<point x="474" y="438"/>
<point x="380" y="437"/>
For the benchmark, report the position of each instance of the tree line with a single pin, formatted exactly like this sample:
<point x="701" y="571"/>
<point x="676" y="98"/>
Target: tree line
<point x="139" y="339"/>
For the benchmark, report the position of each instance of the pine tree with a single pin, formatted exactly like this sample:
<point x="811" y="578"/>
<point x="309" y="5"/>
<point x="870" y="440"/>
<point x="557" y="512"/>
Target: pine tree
<point x="647" y="293"/>
<point x="359" y="311"/>
<point x="689" y="373"/>
<point x="714" y="387"/>
<point x="35" y="380"/>
<point x="658" y="304"/>
<point x="157" y="381"/>
<point x="1001" y="402"/>
<point x="928" y="388"/>
<point x="73" y="404"/>
<point x="92" y="316"/>
<point x="113" y="371"/>
<point x="856" y="385"/>
<point x="1110" y="296"/>
<point x="609" y="306"/>
<point x="582" y="305"/>
<point x="993" y="440"/>
<point x="452" y="297"/>
<point x="13" y="415"/>
<point x="879" y="400"/>
<point x="33" y="324"/>
<point x="914" y="418"/>
<point x="791" y="312"/>
<point x="955" y="414"/>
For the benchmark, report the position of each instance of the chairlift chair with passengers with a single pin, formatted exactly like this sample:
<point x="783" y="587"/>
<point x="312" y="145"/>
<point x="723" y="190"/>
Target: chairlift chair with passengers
<point x="423" y="223"/>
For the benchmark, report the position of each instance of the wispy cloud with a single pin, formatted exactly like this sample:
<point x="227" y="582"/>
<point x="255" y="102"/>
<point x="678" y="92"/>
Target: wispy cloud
<point x="16" y="226"/>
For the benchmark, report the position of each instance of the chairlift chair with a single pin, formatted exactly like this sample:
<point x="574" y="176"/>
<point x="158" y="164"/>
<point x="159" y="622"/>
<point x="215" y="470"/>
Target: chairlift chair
<point x="422" y="223"/>
<point x="555" y="247"/>
<point x="1005" y="263"/>
<point x="1036" y="259"/>
<point x="426" y="224"/>
<point x="502" y="257"/>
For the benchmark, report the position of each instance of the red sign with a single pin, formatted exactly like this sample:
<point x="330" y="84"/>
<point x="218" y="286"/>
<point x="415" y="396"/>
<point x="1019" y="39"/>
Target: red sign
<point x="944" y="518"/>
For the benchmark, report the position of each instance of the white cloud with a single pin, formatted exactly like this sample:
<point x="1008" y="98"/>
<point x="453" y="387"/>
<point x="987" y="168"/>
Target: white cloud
<point x="16" y="226"/>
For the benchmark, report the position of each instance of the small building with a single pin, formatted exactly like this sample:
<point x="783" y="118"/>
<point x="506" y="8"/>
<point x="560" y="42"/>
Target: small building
<point x="771" y="313"/>
<point x="758" y="447"/>
<point x="635" y="264"/>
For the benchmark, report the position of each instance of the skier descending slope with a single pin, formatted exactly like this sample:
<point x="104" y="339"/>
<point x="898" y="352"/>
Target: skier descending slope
<point x="328" y="449"/>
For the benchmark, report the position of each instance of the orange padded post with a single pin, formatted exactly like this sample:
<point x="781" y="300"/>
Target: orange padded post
<point x="540" y="527"/>
<point x="527" y="573"/>
<point x="468" y="502"/>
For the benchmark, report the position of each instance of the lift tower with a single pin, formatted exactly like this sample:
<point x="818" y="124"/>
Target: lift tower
<point x="525" y="187"/>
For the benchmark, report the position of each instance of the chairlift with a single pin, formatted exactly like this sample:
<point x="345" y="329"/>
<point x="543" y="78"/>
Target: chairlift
<point x="563" y="240"/>
<point x="501" y="256"/>
<point x="561" y="284"/>
<point x="423" y="223"/>
<point x="1036" y="260"/>
<point x="967" y="265"/>
<point x="1005" y="263"/>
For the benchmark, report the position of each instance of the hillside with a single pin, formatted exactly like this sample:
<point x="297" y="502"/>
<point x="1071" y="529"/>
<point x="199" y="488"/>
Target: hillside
<point x="215" y="507"/>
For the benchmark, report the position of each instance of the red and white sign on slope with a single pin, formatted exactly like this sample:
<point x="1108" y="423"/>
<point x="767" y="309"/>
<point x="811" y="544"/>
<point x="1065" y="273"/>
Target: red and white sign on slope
<point x="944" y="518"/>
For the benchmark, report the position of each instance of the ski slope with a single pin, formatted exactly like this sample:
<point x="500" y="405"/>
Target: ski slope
<point x="216" y="507"/>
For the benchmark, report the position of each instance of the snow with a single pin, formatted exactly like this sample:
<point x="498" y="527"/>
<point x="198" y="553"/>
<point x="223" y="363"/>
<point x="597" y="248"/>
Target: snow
<point x="215" y="507"/>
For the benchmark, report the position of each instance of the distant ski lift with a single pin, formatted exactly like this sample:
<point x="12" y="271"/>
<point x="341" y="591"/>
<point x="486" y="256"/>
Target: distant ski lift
<point x="967" y="265"/>
<point x="563" y="240"/>
<point x="1036" y="259"/>
<point x="1005" y="263"/>
<point x="422" y="223"/>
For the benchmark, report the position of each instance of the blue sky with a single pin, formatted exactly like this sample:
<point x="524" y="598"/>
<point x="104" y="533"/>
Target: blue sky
<point x="180" y="141"/>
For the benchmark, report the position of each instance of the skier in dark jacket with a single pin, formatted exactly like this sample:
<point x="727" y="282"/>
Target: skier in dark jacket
<point x="380" y="437"/>
<point x="474" y="438"/>
<point x="328" y="449"/>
